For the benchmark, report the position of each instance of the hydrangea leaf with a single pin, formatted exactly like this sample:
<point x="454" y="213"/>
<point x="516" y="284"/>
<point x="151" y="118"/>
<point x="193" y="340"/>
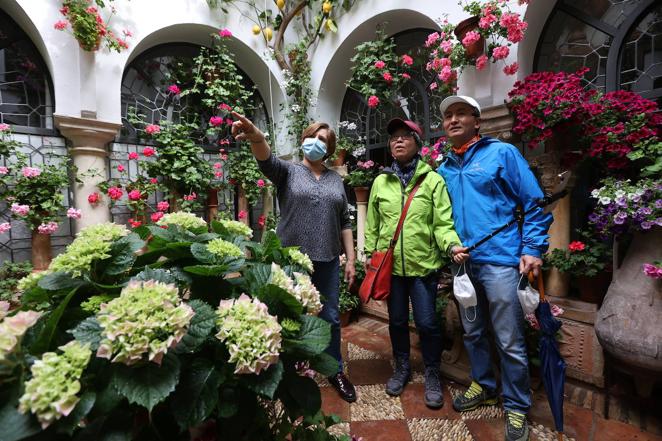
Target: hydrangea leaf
<point x="15" y="425"/>
<point x="207" y="270"/>
<point x="197" y="393"/>
<point x="200" y="327"/>
<point x="149" y="384"/>
<point x="324" y="364"/>
<point x="59" y="281"/>
<point x="229" y="403"/>
<point x="305" y="393"/>
<point x="313" y="337"/>
<point x="280" y="302"/>
<point x="83" y="407"/>
<point x="200" y="252"/>
<point x="257" y="276"/>
<point x="123" y="254"/>
<point x="43" y="341"/>
<point x="88" y="331"/>
<point x="267" y="381"/>
<point x="158" y="275"/>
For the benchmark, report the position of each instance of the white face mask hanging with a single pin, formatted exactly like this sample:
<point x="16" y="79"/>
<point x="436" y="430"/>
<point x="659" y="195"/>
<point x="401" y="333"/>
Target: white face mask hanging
<point x="528" y="297"/>
<point x="464" y="292"/>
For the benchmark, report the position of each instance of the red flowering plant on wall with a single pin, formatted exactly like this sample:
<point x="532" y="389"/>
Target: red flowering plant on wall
<point x="378" y="71"/>
<point x="88" y="27"/>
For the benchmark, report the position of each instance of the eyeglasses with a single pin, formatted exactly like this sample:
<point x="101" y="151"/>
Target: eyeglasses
<point x="404" y="137"/>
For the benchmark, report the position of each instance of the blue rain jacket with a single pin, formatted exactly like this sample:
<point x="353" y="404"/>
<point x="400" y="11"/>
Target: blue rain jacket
<point x="486" y="185"/>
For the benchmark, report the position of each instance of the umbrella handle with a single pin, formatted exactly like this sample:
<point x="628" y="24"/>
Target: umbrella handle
<point x="541" y="287"/>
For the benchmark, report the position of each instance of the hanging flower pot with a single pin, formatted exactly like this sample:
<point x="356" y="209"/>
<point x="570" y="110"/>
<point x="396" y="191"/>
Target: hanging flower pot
<point x="477" y="48"/>
<point x="212" y="204"/>
<point x="362" y="194"/>
<point x="41" y="250"/>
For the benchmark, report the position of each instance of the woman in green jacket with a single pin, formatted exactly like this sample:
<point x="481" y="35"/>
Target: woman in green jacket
<point x="426" y="242"/>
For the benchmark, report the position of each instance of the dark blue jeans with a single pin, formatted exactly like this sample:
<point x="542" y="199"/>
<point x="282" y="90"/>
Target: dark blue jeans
<point x="423" y="294"/>
<point x="326" y="279"/>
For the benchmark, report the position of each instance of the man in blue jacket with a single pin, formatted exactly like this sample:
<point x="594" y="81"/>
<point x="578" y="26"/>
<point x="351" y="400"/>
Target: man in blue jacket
<point x="487" y="180"/>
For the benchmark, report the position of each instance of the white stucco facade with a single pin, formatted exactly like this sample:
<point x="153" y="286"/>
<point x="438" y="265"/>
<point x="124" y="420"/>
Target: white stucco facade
<point x="91" y="82"/>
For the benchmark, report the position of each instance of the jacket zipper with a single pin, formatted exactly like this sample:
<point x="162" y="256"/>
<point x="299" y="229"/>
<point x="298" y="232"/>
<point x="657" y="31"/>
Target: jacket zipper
<point x="402" y="232"/>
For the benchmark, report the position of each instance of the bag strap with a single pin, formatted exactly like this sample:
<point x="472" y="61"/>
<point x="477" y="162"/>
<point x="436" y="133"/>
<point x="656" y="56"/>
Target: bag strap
<point x="401" y="222"/>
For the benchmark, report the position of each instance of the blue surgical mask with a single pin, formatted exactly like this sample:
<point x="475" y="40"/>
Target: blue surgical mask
<point x="313" y="148"/>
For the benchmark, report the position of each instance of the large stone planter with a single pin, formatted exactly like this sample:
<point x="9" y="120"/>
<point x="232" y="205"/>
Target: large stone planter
<point x="628" y="323"/>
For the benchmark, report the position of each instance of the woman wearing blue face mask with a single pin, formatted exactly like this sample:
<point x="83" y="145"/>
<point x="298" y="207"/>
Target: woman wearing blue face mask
<point x="314" y="217"/>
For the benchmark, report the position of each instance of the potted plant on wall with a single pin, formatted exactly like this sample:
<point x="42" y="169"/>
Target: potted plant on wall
<point x="88" y="27"/>
<point x="361" y="178"/>
<point x="588" y="262"/>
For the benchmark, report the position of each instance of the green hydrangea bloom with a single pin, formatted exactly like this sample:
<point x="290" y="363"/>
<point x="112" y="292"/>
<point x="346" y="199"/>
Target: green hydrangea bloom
<point x="30" y="281"/>
<point x="301" y="259"/>
<point x="281" y="279"/>
<point x="187" y="221"/>
<point x="250" y="333"/>
<point x="290" y="326"/>
<point x="51" y="393"/>
<point x="13" y="327"/>
<point x="93" y="304"/>
<point x="147" y="318"/>
<point x="223" y="248"/>
<point x="236" y="227"/>
<point x="307" y="294"/>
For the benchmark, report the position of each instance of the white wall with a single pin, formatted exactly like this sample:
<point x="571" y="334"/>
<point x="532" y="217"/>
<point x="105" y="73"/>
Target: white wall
<point x="92" y="81"/>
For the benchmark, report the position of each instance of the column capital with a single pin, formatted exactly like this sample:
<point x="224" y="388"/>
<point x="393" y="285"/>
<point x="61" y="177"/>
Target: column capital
<point x="88" y="135"/>
<point x="497" y="121"/>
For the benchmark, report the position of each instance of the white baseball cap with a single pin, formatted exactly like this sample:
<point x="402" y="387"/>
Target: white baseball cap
<point x="450" y="100"/>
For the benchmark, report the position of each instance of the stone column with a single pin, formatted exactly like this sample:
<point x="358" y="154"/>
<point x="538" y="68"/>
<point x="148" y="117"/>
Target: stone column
<point x="361" y="216"/>
<point x="89" y="138"/>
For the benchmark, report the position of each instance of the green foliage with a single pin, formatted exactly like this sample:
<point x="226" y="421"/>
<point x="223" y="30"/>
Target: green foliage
<point x="10" y="274"/>
<point x="586" y="258"/>
<point x="243" y="169"/>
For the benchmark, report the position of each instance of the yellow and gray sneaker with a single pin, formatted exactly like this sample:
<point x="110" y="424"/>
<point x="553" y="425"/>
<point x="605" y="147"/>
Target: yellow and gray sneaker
<point x="473" y="398"/>
<point x="517" y="429"/>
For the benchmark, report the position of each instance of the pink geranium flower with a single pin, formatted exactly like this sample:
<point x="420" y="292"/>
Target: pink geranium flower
<point x="262" y="220"/>
<point x="134" y="223"/>
<point x="500" y="52"/>
<point x="243" y="214"/>
<point x="151" y="129"/>
<point x="31" y="172"/>
<point x="115" y="193"/>
<point x="48" y="228"/>
<point x="576" y="246"/>
<point x="387" y="77"/>
<point x="406" y="59"/>
<point x="163" y="206"/>
<point x="225" y="107"/>
<point x="60" y="25"/>
<point x="225" y="33"/>
<point x="20" y="210"/>
<point x="4" y="227"/>
<point x="173" y="88"/>
<point x="73" y="213"/>
<point x="481" y="62"/>
<point x="190" y="197"/>
<point x="216" y="121"/>
<point x="156" y="216"/>
<point x="3" y="170"/>
<point x="148" y="151"/>
<point x="4" y="127"/>
<point x="120" y="168"/>
<point x="511" y="69"/>
<point x="260" y="183"/>
<point x="470" y="38"/>
<point x="154" y="181"/>
<point x="133" y="155"/>
<point x="134" y="195"/>
<point x="379" y="64"/>
<point x="406" y="76"/>
<point x="373" y="102"/>
<point x="218" y="174"/>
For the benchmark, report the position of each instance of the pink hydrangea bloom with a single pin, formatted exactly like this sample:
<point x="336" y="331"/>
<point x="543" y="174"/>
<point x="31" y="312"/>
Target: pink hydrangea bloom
<point x="163" y="206"/>
<point x="173" y="88"/>
<point x="148" y="151"/>
<point x="225" y="33"/>
<point x="73" y="213"/>
<point x="3" y="170"/>
<point x="4" y="227"/>
<point x="379" y="64"/>
<point x="151" y="129"/>
<point x="481" y="62"/>
<point x="20" y="210"/>
<point x="470" y="38"/>
<point x="93" y="198"/>
<point x="500" y="52"/>
<point x="216" y="121"/>
<point x="373" y="102"/>
<point x="115" y="193"/>
<point x="156" y="216"/>
<point x="4" y="127"/>
<point x="60" y="25"/>
<point x="134" y="195"/>
<point x="406" y="59"/>
<point x="260" y="183"/>
<point x="31" y="172"/>
<point x="511" y="69"/>
<point x="243" y="214"/>
<point x="133" y="155"/>
<point x="48" y="228"/>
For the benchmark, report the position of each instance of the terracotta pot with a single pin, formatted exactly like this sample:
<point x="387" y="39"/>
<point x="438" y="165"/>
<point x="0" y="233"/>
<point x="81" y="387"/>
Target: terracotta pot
<point x="41" y="250"/>
<point x="96" y="46"/>
<point x="340" y="158"/>
<point x="593" y="289"/>
<point x="476" y="49"/>
<point x="344" y="318"/>
<point x="212" y="204"/>
<point x="362" y="194"/>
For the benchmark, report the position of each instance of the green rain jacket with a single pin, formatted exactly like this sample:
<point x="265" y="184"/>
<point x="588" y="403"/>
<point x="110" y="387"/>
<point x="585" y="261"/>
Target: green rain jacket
<point x="427" y="233"/>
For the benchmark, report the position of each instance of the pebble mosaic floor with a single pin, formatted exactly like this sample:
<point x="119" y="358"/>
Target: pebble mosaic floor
<point x="375" y="416"/>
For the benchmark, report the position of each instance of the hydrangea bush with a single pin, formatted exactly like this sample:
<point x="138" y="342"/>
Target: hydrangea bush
<point x="176" y="322"/>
